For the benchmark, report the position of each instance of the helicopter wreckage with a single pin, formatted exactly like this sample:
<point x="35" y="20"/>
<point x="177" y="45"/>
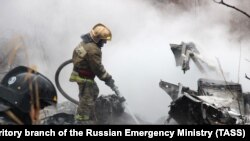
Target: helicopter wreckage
<point x="215" y="102"/>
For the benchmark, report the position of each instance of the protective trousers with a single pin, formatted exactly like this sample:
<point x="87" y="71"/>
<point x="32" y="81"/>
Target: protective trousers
<point x="88" y="93"/>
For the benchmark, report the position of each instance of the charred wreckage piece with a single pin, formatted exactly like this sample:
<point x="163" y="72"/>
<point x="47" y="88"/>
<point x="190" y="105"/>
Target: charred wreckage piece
<point x="186" y="51"/>
<point x="215" y="103"/>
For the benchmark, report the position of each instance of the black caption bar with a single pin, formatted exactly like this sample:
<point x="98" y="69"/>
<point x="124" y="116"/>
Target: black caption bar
<point x="143" y="131"/>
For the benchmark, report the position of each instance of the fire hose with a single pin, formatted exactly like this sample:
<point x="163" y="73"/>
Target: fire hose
<point x="58" y="71"/>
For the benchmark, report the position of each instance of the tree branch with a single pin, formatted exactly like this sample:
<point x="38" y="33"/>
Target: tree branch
<point x="233" y="7"/>
<point x="247" y="77"/>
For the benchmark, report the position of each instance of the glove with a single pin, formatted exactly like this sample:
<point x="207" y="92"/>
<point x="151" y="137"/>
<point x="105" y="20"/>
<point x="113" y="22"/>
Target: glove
<point x="117" y="92"/>
<point x="111" y="83"/>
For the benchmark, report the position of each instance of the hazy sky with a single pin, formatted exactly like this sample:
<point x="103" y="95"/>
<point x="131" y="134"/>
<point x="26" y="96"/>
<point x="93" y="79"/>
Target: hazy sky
<point x="139" y="55"/>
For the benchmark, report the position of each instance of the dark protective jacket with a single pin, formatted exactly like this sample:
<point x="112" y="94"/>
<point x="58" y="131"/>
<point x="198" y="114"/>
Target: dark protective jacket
<point x="87" y="60"/>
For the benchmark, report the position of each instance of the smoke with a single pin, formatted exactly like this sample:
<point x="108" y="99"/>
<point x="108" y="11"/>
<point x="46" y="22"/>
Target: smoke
<point x="139" y="54"/>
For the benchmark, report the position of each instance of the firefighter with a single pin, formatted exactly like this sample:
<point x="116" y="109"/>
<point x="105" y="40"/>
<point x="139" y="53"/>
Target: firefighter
<point x="23" y="93"/>
<point x="87" y="60"/>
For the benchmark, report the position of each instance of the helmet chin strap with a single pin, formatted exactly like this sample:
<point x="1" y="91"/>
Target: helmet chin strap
<point x="34" y="114"/>
<point x="13" y="117"/>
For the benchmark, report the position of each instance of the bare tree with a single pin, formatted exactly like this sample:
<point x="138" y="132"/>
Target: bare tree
<point x="231" y="6"/>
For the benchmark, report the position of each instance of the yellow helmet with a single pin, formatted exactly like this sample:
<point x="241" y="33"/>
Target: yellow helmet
<point x="100" y="31"/>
